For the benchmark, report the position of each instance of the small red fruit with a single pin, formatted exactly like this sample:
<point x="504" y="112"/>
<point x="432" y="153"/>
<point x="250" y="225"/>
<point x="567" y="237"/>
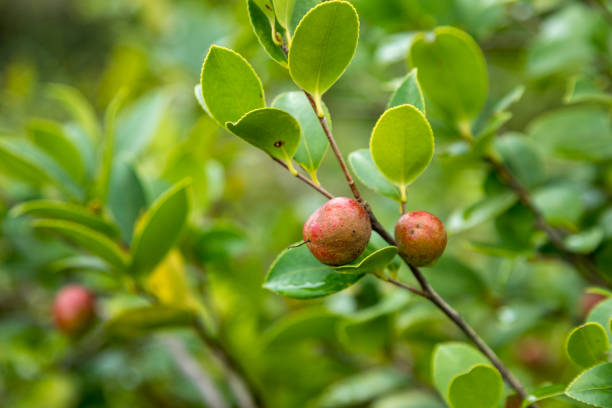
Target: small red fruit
<point x="74" y="309"/>
<point x="420" y="237"/>
<point x="338" y="232"/>
<point x="588" y="301"/>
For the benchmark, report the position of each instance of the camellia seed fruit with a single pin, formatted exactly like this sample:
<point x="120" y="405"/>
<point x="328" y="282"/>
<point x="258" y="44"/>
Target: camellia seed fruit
<point x="74" y="309"/>
<point x="338" y="232"/>
<point x="420" y="237"/>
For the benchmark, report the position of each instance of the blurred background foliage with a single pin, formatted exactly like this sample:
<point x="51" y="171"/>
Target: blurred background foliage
<point x="366" y="346"/>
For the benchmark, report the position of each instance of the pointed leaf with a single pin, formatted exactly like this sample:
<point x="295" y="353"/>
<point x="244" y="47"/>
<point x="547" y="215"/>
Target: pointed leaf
<point x="323" y="46"/>
<point x="262" y="27"/>
<point x="593" y="387"/>
<point x="402" y="144"/>
<point x="375" y="262"/>
<point x="159" y="228"/>
<point x="452" y="72"/>
<point x="91" y="240"/>
<point x="366" y="171"/>
<point x="270" y="129"/>
<point x="409" y="92"/>
<point x="296" y="273"/>
<point x="587" y="345"/>
<point x="126" y="196"/>
<point x="230" y="86"/>
<point x="65" y="211"/>
<point x="143" y="320"/>
<point x="78" y="106"/>
<point x="314" y="143"/>
<point x="481" y="387"/>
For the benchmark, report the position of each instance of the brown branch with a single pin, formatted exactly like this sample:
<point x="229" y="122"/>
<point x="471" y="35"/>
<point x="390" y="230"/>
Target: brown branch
<point x="305" y="179"/>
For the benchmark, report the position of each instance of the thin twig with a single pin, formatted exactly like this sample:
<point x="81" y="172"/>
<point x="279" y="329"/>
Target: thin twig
<point x="305" y="179"/>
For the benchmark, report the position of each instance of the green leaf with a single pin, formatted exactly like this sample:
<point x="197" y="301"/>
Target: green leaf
<point x="587" y="345"/>
<point x="65" y="211"/>
<point x="408" y="93"/>
<point x="402" y="145"/>
<point x="409" y="399"/>
<point x="581" y="89"/>
<point x="509" y="99"/>
<point x="299" y="327"/>
<point x="108" y="146"/>
<point x="159" y="228"/>
<point x="374" y="262"/>
<point x="522" y="159"/>
<point x="366" y="171"/>
<point x="481" y="387"/>
<point x="262" y="27"/>
<point x="584" y="242"/>
<point x="296" y="273"/>
<point x="91" y="240"/>
<point x="314" y="143"/>
<point x="450" y="360"/>
<point x="543" y="392"/>
<point x="561" y="204"/>
<point x="593" y="386"/>
<point x="452" y="72"/>
<point x="363" y="387"/>
<point x="601" y="314"/>
<point x="50" y="138"/>
<point x="272" y="130"/>
<point x="323" y="46"/>
<point x="80" y="109"/>
<point x="283" y="9"/>
<point x="300" y="8"/>
<point x="482" y="211"/>
<point x="139" y="321"/>
<point x="126" y="197"/>
<point x="230" y="86"/>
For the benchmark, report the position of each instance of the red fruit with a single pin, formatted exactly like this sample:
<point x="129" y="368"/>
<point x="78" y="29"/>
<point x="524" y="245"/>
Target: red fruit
<point x="420" y="237"/>
<point x="74" y="309"/>
<point x="338" y="232"/>
<point x="588" y="301"/>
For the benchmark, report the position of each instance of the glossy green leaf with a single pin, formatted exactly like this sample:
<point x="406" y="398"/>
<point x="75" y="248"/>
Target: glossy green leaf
<point x="139" y="321"/>
<point x="593" y="386"/>
<point x="50" y="138"/>
<point x="366" y="171"/>
<point x="126" y="197"/>
<point x="159" y="228"/>
<point x="89" y="239"/>
<point x="521" y="158"/>
<point x="230" y="86"/>
<point x="602" y="313"/>
<point x="313" y="143"/>
<point x="408" y="93"/>
<point x="402" y="145"/>
<point x="65" y="211"/>
<point x="79" y="107"/>
<point x="452" y="72"/>
<point x="409" y="399"/>
<point x="374" y="262"/>
<point x="544" y="392"/>
<point x="481" y="387"/>
<point x="482" y="211"/>
<point x="362" y="387"/>
<point x="587" y="345"/>
<point x="323" y="46"/>
<point x="272" y="130"/>
<point x="584" y="242"/>
<point x="296" y="273"/>
<point x="450" y="360"/>
<point x="283" y="9"/>
<point x="262" y="27"/>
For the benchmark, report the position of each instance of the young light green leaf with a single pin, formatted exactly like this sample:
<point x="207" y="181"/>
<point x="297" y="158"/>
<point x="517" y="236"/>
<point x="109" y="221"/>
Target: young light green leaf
<point x="89" y="239"/>
<point x="374" y="262"/>
<point x="272" y="130"/>
<point x="230" y="86"/>
<point x="587" y="345"/>
<point x="296" y="273"/>
<point x="402" y="145"/>
<point x="409" y="92"/>
<point x="481" y="387"/>
<point x="484" y="210"/>
<point x="139" y="321"/>
<point x="65" y="211"/>
<point x="452" y="72"/>
<point x="159" y="228"/>
<point x="78" y="106"/>
<point x="314" y="143"/>
<point x="593" y="386"/>
<point x="543" y="392"/>
<point x="50" y="138"/>
<point x="601" y="314"/>
<point x="450" y="360"/>
<point x="283" y="9"/>
<point x="366" y="171"/>
<point x="262" y="26"/>
<point x="323" y="46"/>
